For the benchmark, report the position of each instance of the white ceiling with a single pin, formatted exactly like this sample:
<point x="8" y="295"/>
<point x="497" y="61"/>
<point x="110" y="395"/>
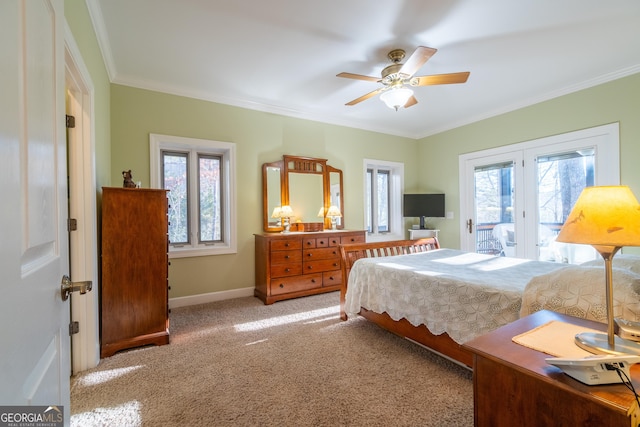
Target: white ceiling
<point x="282" y="56"/>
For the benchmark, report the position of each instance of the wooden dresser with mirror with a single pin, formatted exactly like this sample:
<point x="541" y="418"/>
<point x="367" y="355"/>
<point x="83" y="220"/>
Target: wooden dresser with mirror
<point x="306" y="259"/>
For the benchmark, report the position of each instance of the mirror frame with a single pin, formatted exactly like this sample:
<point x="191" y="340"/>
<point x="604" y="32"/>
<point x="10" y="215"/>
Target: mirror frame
<point x="265" y="199"/>
<point x="327" y="203"/>
<point x="300" y="164"/>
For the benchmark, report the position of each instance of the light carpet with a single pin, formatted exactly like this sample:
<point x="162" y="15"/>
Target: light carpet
<point x="293" y="363"/>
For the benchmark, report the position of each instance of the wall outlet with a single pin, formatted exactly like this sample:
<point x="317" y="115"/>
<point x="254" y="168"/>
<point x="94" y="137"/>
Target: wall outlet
<point x="449" y="215"/>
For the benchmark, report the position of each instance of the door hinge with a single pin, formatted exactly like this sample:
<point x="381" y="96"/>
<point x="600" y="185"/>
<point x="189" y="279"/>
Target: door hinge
<point x="74" y="328"/>
<point x="72" y="224"/>
<point x="70" y="121"/>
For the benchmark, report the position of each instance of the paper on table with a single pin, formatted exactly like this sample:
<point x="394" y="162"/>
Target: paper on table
<point x="555" y="338"/>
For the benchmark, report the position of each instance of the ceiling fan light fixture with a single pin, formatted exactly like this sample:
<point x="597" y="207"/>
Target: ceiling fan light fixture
<point x="396" y="97"/>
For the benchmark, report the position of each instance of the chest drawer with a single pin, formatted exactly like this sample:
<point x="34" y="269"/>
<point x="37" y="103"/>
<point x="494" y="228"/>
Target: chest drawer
<point x="321" y="253"/>
<point x="334" y="241"/>
<point x="285" y="245"/>
<point x="286" y="285"/>
<point x="332" y="278"/>
<point x="286" y="257"/>
<point x="320" y="265"/>
<point x="282" y="270"/>
<point x="352" y="239"/>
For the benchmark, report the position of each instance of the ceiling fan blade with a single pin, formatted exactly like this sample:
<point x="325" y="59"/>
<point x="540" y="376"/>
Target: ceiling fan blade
<point x="440" y="79"/>
<point x="358" y="77"/>
<point x="417" y="60"/>
<point x="365" y="97"/>
<point x="412" y="101"/>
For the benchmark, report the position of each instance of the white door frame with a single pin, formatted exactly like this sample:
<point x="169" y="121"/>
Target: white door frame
<point x="82" y="205"/>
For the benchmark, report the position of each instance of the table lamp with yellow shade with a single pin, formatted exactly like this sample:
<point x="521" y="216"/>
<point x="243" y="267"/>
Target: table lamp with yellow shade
<point x="607" y="218"/>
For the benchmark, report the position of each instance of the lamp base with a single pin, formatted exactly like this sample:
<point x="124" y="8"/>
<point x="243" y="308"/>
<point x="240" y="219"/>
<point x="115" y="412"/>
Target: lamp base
<point x="598" y="343"/>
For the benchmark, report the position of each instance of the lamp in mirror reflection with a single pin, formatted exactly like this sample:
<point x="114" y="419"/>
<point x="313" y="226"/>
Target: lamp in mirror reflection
<point x="285" y="215"/>
<point x="607" y="218"/>
<point x="276" y="214"/>
<point x="333" y="213"/>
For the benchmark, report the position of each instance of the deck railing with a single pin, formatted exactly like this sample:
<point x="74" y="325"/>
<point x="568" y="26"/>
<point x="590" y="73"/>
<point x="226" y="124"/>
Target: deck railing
<point x="487" y="243"/>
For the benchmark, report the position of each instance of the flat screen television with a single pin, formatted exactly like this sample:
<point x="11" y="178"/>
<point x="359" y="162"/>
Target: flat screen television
<point x="423" y="205"/>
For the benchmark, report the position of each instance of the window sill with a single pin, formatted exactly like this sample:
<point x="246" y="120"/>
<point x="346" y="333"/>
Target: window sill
<point x="386" y="237"/>
<point x="196" y="252"/>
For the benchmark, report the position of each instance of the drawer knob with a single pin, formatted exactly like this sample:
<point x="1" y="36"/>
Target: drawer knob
<point x="281" y="286"/>
<point x="335" y="253"/>
<point x="335" y="264"/>
<point x="286" y="257"/>
<point x="313" y="280"/>
<point x="308" y="243"/>
<point x="309" y="254"/>
<point x="286" y="245"/>
<point x="286" y="270"/>
<point x="309" y="267"/>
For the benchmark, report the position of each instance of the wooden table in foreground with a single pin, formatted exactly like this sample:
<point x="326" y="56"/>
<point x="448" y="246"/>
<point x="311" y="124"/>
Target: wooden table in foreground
<point x="514" y="386"/>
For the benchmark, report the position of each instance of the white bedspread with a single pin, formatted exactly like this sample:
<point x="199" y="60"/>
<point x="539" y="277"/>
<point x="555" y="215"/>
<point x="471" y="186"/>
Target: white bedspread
<point x="461" y="293"/>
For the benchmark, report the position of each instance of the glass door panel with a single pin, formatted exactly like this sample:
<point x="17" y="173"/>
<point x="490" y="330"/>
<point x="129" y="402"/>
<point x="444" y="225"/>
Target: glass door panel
<point x="561" y="179"/>
<point x="494" y="209"/>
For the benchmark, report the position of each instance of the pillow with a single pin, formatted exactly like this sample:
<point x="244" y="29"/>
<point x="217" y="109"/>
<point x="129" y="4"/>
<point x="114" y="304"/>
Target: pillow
<point x="630" y="262"/>
<point x="579" y="291"/>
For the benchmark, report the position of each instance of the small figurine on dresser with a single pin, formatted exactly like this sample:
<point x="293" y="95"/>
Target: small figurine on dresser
<point x="128" y="180"/>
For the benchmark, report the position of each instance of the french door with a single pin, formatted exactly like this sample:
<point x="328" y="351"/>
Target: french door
<point x="515" y="199"/>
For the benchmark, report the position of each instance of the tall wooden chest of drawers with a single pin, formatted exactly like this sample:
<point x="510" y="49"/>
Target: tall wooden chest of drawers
<point x="134" y="292"/>
<point x="292" y="265"/>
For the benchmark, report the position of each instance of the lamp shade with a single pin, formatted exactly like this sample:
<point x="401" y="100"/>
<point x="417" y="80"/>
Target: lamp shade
<point x="603" y="216"/>
<point x="396" y="97"/>
<point x="286" y="211"/>
<point x="276" y="212"/>
<point x="333" y="211"/>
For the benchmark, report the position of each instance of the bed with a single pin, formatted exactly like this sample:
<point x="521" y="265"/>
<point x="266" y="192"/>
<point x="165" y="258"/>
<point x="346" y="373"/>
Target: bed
<point x="441" y="298"/>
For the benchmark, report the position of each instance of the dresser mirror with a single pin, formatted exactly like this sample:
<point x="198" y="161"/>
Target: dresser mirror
<point x="306" y="184"/>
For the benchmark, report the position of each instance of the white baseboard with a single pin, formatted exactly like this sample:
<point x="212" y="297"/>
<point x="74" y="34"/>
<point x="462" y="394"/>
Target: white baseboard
<point x="210" y="297"/>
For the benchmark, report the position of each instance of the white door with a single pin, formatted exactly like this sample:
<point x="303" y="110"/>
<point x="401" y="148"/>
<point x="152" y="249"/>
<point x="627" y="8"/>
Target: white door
<point x="493" y="202"/>
<point x="514" y="199"/>
<point x="34" y="354"/>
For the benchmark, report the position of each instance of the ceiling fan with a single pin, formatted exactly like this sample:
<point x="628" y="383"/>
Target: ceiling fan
<point x="397" y="76"/>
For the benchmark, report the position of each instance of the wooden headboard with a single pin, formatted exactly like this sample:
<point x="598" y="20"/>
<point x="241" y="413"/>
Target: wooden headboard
<point x="352" y="252"/>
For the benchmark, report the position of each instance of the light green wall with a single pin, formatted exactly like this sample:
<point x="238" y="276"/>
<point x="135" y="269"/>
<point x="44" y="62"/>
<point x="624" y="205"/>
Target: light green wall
<point x="259" y="137"/>
<point x="77" y="17"/>
<point x="616" y="101"/>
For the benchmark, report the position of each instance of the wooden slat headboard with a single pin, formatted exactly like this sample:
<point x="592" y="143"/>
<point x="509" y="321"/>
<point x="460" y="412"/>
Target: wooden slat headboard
<point x="352" y="252"/>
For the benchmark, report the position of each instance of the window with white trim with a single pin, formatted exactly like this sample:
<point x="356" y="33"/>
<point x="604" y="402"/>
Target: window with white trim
<point x="383" y="188"/>
<point x="200" y="177"/>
